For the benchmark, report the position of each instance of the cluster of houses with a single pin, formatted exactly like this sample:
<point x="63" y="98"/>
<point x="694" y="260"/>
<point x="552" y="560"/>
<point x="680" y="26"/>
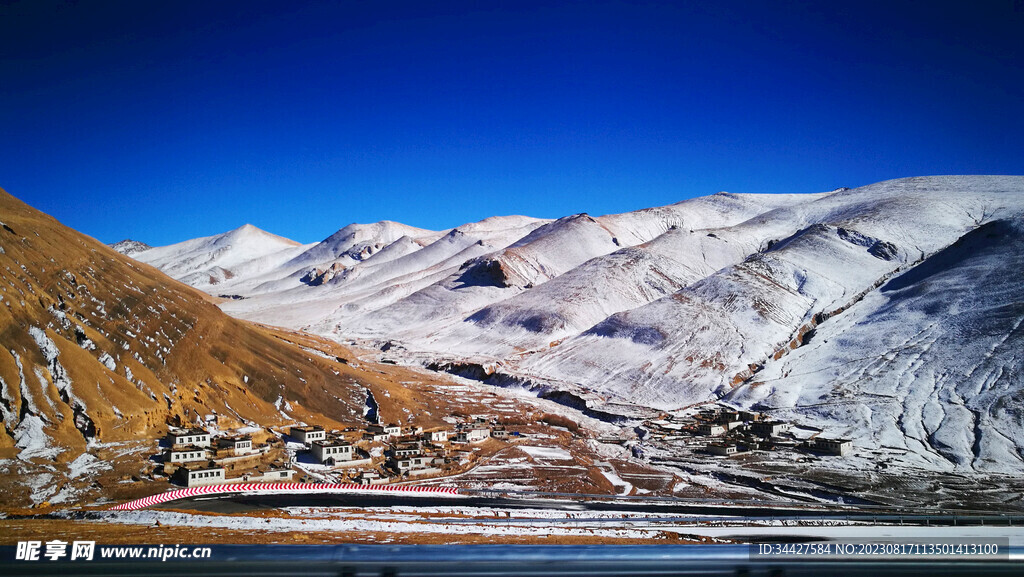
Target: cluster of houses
<point x="408" y="451"/>
<point x="736" y="432"/>
<point x="195" y="458"/>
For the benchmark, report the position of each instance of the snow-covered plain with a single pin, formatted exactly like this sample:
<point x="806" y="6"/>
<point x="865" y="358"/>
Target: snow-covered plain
<point x="889" y="313"/>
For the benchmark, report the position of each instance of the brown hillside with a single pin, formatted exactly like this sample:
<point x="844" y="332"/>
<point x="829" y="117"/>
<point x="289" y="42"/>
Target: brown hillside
<point x="100" y="348"/>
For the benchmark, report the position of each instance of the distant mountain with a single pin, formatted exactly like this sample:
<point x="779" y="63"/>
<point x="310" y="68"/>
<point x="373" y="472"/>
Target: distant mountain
<point x="100" y="349"/>
<point x="129" y="247"/>
<point x="216" y="262"/>
<point x="888" y="313"/>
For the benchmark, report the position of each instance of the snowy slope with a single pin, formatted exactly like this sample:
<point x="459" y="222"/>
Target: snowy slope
<point x="384" y="277"/>
<point x="356" y="242"/>
<point x="715" y="333"/>
<point x="433" y="315"/>
<point x="216" y="262"/>
<point x="726" y="296"/>
<point x="624" y="279"/>
<point x="929" y="362"/>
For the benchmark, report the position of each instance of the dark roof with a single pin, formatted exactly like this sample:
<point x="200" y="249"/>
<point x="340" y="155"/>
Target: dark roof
<point x="186" y="448"/>
<point x="191" y="432"/>
<point x="332" y="443"/>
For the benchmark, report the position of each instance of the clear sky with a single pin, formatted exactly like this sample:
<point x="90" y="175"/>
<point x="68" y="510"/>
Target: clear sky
<point x="162" y="121"/>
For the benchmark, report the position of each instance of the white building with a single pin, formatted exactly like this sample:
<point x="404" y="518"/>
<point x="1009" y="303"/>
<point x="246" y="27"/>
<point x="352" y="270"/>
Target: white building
<point x="204" y="476"/>
<point x="272" y="475"/>
<point x="436" y="436"/>
<point x="710" y="429"/>
<point x="239" y="445"/>
<point x="418" y="465"/>
<point x="370" y="478"/>
<point x="723" y="449"/>
<point x="839" y="447"/>
<point x="307" y="435"/>
<point x="406" y="450"/>
<point x="394" y="430"/>
<point x="473" y="435"/>
<point x="187" y="454"/>
<point x="333" y="451"/>
<point x="196" y="437"/>
<point x="770" y="428"/>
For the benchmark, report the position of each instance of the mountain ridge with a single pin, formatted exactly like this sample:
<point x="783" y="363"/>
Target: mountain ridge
<point x="668" y="306"/>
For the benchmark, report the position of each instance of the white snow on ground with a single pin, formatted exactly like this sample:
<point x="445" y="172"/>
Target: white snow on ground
<point x="39" y="484"/>
<point x="546" y="453"/>
<point x="108" y="361"/>
<point x="404" y="513"/>
<point x="617" y="481"/>
<point x="30" y="436"/>
<point x="86" y="464"/>
<point x="58" y="374"/>
<point x="359" y="524"/>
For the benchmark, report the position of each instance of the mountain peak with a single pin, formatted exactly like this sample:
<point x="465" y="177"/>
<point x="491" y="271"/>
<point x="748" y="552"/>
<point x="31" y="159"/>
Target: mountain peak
<point x="129" y="247"/>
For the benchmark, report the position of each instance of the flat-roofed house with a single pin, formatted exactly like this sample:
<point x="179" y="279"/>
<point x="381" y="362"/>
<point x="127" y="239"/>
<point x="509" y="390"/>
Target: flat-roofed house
<point x="436" y="436"/>
<point x="197" y="437"/>
<point x="711" y="429"/>
<point x="406" y="450"/>
<point x="370" y="478"/>
<point x="272" y="474"/>
<point x="418" y="465"/>
<point x="332" y="451"/>
<point x="749" y="416"/>
<point x="200" y="476"/>
<point x="385" y="430"/>
<point x="473" y="435"/>
<point x="727" y="416"/>
<point x="187" y="454"/>
<point x="238" y="445"/>
<point x="307" y="435"/>
<point x="839" y="447"/>
<point x="722" y="449"/>
<point x="769" y="428"/>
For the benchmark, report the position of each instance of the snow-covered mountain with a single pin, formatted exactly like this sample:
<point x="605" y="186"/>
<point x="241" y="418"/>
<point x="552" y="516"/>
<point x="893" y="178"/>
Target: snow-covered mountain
<point x="214" y="263"/>
<point x="129" y="246"/>
<point x="888" y="313"/>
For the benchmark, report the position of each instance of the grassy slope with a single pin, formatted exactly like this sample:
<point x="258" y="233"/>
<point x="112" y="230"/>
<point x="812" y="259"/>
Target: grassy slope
<point x="176" y="355"/>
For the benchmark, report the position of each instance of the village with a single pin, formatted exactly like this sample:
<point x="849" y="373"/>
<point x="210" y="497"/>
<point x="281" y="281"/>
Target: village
<point x="390" y="453"/>
<point x="726" y="432"/>
<point x="376" y="454"/>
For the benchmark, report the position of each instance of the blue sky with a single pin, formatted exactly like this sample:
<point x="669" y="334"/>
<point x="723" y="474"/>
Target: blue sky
<point x="166" y="121"/>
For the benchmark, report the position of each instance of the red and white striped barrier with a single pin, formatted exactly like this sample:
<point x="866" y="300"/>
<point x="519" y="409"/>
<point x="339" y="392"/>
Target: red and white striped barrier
<point x="278" y="488"/>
